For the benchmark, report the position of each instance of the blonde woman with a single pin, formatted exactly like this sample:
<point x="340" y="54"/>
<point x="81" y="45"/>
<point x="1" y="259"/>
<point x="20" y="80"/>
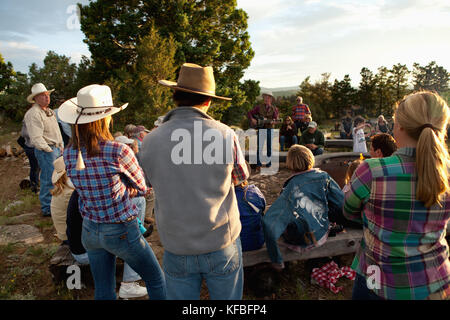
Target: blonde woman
<point x="63" y="189"/>
<point x="403" y="202"/>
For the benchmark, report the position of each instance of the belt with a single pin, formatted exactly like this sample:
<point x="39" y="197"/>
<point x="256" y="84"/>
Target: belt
<point x="127" y="220"/>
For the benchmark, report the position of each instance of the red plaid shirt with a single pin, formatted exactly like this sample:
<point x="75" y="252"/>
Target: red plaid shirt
<point x="299" y="112"/>
<point x="104" y="185"/>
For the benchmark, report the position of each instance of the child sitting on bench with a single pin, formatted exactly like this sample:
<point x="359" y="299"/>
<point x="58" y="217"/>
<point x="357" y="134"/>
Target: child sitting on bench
<point x="301" y="211"/>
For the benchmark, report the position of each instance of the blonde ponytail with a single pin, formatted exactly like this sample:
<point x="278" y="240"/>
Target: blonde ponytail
<point x="424" y="116"/>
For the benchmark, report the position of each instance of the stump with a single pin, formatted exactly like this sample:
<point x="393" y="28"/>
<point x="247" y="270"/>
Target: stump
<point x="63" y="259"/>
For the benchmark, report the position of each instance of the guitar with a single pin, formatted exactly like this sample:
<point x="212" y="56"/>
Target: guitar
<point x="261" y="122"/>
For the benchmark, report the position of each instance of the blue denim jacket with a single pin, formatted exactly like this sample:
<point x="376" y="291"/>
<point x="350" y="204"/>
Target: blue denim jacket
<point x="305" y="200"/>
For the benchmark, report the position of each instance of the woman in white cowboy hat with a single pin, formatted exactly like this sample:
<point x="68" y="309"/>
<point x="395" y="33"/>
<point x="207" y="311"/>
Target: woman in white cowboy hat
<point x="106" y="176"/>
<point x="45" y="136"/>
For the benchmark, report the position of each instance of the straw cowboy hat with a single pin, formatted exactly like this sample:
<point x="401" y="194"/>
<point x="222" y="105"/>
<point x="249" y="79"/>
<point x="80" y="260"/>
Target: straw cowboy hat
<point x="92" y="103"/>
<point x="36" y="89"/>
<point x="60" y="169"/>
<point x="195" y="79"/>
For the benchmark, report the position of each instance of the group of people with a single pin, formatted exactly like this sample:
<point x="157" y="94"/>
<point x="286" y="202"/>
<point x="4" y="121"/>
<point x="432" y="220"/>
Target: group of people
<point x="295" y="129"/>
<point x="399" y="197"/>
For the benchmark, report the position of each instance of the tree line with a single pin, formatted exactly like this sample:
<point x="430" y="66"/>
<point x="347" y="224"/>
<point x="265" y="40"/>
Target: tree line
<point x="376" y="94"/>
<point x="133" y="44"/>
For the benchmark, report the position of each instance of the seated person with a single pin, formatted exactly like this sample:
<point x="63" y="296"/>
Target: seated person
<point x="313" y="139"/>
<point x="336" y="215"/>
<point x="301" y="211"/>
<point x="251" y="204"/>
<point x="288" y="133"/>
<point x="383" y="145"/>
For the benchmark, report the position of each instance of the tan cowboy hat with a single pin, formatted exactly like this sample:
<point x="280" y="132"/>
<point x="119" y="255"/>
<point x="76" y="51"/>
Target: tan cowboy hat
<point x="36" y="89"/>
<point x="59" y="169"/>
<point x="195" y="79"/>
<point x="92" y="103"/>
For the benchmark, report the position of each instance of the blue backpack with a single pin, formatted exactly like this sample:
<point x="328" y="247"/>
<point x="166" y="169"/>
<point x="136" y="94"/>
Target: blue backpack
<point x="251" y="203"/>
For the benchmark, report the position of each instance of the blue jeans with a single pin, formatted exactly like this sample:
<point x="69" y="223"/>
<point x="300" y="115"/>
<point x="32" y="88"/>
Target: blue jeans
<point x="283" y="140"/>
<point x="317" y="151"/>
<point x="360" y="290"/>
<point x="129" y="275"/>
<point x="222" y="271"/>
<point x="105" y="241"/>
<point x="45" y="160"/>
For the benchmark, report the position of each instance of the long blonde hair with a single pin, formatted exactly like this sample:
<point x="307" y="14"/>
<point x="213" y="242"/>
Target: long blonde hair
<point x="59" y="185"/>
<point x="424" y="116"/>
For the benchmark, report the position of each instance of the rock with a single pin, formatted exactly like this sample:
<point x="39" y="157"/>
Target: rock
<point x="9" y="152"/>
<point x="20" y="233"/>
<point x="22" y="217"/>
<point x="13" y="204"/>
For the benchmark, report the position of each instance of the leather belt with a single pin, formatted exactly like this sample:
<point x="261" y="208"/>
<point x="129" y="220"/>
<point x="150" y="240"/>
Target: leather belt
<point x="127" y="220"/>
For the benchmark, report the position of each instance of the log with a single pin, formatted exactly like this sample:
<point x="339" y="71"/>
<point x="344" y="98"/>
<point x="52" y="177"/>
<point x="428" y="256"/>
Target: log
<point x="343" y="243"/>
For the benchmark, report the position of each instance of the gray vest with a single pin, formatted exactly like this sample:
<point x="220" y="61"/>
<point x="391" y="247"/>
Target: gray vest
<point x="195" y="204"/>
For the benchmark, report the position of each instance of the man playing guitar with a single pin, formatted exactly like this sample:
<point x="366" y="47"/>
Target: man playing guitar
<point x="263" y="118"/>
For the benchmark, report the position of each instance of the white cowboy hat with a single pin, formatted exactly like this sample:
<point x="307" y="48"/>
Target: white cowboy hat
<point x="159" y="121"/>
<point x="36" y="89"/>
<point x="92" y="103"/>
<point x="195" y="79"/>
<point x="59" y="169"/>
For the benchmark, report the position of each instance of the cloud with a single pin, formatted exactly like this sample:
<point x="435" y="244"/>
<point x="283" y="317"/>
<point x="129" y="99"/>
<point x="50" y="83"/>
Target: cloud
<point x="21" y="54"/>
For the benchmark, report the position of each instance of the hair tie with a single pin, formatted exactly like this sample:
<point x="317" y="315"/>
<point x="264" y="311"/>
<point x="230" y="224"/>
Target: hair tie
<point x="427" y="125"/>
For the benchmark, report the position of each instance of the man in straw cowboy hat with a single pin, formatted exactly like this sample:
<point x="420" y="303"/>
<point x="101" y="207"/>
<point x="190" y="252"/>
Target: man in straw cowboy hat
<point x="106" y="176"/>
<point x="263" y="117"/>
<point x="195" y="206"/>
<point x="45" y="136"/>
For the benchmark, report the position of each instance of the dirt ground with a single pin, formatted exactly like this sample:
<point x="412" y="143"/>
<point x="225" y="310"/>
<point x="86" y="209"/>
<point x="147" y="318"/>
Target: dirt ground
<point x="24" y="269"/>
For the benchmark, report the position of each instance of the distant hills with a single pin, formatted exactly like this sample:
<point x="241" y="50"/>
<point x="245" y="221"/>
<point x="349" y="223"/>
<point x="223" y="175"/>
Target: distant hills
<point x="283" y="91"/>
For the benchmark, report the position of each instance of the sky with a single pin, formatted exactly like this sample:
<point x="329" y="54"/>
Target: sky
<point x="292" y="39"/>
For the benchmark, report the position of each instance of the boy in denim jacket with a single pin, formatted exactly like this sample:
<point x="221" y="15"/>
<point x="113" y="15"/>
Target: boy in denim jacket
<point x="301" y="211"/>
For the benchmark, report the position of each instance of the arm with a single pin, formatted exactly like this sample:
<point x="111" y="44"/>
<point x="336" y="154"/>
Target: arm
<point x="359" y="192"/>
<point x="129" y="166"/>
<point x="307" y="111"/>
<point x="320" y="143"/>
<point x="240" y="172"/>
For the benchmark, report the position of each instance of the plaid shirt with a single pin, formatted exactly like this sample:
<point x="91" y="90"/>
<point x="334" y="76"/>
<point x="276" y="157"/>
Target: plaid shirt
<point x="299" y="112"/>
<point x="104" y="185"/>
<point x="401" y="236"/>
<point x="240" y="171"/>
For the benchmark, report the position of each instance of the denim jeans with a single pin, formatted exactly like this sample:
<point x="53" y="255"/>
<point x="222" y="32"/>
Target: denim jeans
<point x="317" y="151"/>
<point x="105" y="241"/>
<point x="129" y="274"/>
<point x="222" y="271"/>
<point x="45" y="160"/>
<point x="283" y="140"/>
<point x="360" y="290"/>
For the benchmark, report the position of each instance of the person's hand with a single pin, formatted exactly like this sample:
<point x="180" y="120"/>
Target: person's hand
<point x="313" y="146"/>
<point x="133" y="192"/>
<point x="253" y="122"/>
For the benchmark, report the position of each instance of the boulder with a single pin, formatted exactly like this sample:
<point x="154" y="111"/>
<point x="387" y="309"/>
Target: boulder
<point x="20" y="233"/>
